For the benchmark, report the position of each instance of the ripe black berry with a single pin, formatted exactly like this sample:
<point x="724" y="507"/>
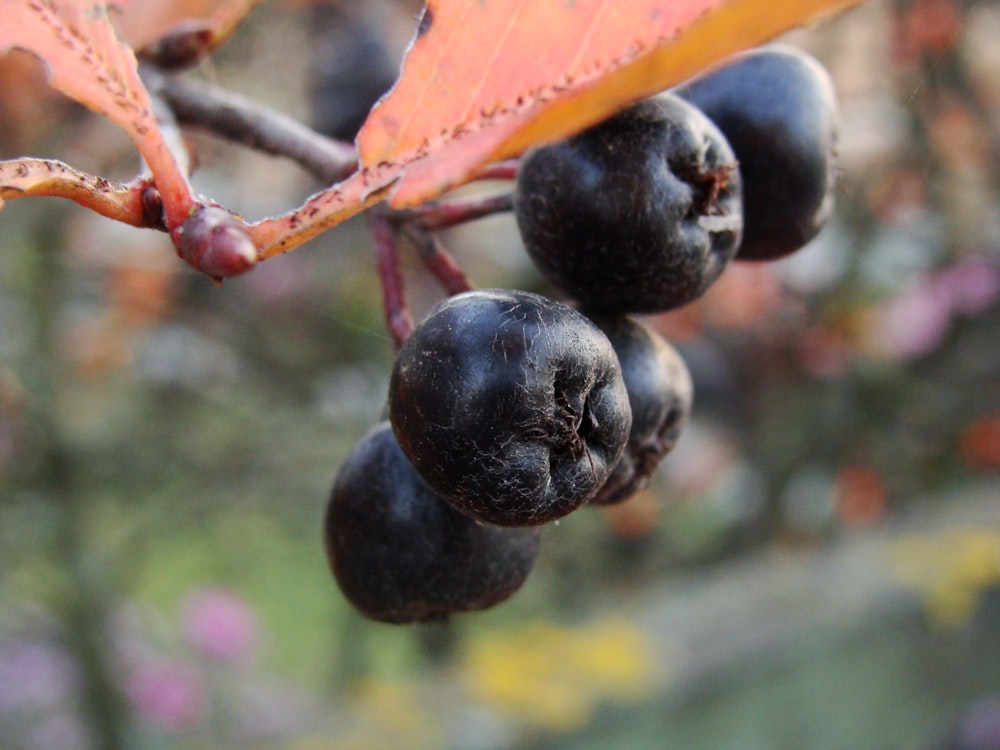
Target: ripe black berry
<point x="776" y="106"/>
<point x="510" y="405"/>
<point x="401" y="554"/>
<point x="660" y="395"/>
<point x="638" y="214"/>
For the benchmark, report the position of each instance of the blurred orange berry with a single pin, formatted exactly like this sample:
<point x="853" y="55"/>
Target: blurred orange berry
<point x="860" y="495"/>
<point x="980" y="443"/>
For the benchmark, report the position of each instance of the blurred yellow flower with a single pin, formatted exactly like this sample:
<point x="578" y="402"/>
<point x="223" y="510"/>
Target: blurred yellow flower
<point x="951" y="569"/>
<point x="553" y="676"/>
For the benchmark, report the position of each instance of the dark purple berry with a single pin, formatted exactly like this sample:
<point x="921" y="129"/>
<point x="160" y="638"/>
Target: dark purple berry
<point x="660" y="395"/>
<point x="350" y="67"/>
<point x="638" y="214"/>
<point x="510" y="405"/>
<point x="401" y="554"/>
<point x="777" y="108"/>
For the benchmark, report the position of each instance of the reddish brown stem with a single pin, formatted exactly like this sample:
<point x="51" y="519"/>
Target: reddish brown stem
<point x="191" y="40"/>
<point x="504" y="170"/>
<point x="439" y="261"/>
<point x="397" y="314"/>
<point x="169" y="161"/>
<point x="450" y="213"/>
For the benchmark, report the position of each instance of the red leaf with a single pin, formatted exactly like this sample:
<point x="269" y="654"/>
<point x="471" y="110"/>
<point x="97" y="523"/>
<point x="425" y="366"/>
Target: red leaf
<point x="84" y="59"/>
<point x="484" y="81"/>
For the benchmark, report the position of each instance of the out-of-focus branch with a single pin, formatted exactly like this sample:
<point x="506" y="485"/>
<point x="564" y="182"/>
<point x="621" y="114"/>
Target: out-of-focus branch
<point x="242" y="120"/>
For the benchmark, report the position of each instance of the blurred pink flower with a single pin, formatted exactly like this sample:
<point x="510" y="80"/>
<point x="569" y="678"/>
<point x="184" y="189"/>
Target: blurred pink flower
<point x="220" y="625"/>
<point x="916" y="321"/>
<point x="979" y="726"/>
<point x="972" y="284"/>
<point x="170" y="695"/>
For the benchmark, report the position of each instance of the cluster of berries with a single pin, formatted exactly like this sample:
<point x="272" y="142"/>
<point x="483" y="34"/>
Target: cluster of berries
<point x="508" y="410"/>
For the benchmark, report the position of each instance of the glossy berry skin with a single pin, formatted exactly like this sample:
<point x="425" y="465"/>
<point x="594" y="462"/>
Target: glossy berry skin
<point x="640" y="213"/>
<point x="777" y="107"/>
<point x="510" y="405"/>
<point x="660" y="394"/>
<point x="401" y="554"/>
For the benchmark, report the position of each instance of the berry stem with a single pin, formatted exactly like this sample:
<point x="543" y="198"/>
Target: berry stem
<point x="438" y="261"/>
<point x="397" y="315"/>
<point x="449" y="213"/>
<point x="504" y="170"/>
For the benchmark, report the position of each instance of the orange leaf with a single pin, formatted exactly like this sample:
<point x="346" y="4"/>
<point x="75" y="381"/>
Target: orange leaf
<point x="484" y="81"/>
<point x="87" y="62"/>
<point x="320" y="212"/>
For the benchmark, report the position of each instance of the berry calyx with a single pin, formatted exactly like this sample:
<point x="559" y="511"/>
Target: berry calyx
<point x="640" y="213"/>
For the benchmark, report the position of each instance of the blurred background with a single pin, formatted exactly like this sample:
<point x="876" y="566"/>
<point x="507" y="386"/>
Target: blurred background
<point x="816" y="566"/>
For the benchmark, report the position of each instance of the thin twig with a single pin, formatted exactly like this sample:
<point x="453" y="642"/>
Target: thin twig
<point x="449" y="213"/>
<point x="504" y="170"/>
<point x="242" y="120"/>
